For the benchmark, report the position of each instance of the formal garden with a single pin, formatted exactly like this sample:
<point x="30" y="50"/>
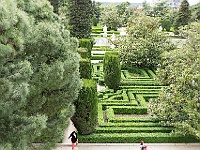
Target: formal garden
<point x="55" y="55"/>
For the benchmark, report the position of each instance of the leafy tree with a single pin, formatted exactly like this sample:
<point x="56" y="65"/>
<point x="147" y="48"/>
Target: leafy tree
<point x="143" y="44"/>
<point x="80" y="18"/>
<point x="146" y="8"/>
<point x="195" y="9"/>
<point x="178" y="105"/>
<point x="109" y="17"/>
<point x="183" y="16"/>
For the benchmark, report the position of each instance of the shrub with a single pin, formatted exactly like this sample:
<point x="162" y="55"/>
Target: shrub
<point x="86" y="107"/>
<point x="85" y="68"/>
<point x="87" y="43"/>
<point x="83" y="52"/>
<point x="112" y="70"/>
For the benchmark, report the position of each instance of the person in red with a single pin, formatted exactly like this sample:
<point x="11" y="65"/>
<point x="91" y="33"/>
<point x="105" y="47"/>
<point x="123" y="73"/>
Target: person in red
<point x="74" y="138"/>
<point x="142" y="146"/>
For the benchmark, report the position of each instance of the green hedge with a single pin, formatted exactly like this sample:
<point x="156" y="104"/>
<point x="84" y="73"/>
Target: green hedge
<point x="85" y="69"/>
<point x="83" y="52"/>
<point x="86" y="108"/>
<point x="118" y="109"/>
<point x="134" y="130"/>
<point x="136" y="137"/>
<point x="131" y="124"/>
<point x="97" y="57"/>
<point x="112" y="70"/>
<point x="87" y="43"/>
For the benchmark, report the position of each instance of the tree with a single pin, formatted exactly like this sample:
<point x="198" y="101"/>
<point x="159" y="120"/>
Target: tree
<point x="80" y="18"/>
<point x="16" y="127"/>
<point x="97" y="12"/>
<point x="183" y="16"/>
<point x="109" y="17"/>
<point x="195" y="9"/>
<point x="112" y="70"/>
<point x="124" y="11"/>
<point x="85" y="117"/>
<point x="178" y="105"/>
<point x="39" y="74"/>
<point x="144" y="44"/>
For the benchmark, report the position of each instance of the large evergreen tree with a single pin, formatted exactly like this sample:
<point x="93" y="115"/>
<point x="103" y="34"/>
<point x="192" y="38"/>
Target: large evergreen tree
<point x="17" y="128"/>
<point x="183" y="16"/>
<point x="80" y="18"/>
<point x="39" y="74"/>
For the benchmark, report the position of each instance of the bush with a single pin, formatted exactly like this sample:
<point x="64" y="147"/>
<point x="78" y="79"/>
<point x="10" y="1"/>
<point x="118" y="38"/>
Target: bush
<point x="87" y="43"/>
<point x="112" y="70"/>
<point x="135" y="137"/>
<point x="86" y="107"/>
<point x="85" y="68"/>
<point x="83" y="52"/>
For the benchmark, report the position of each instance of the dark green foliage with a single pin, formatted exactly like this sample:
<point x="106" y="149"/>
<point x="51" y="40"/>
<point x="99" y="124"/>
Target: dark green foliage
<point x="112" y="70"/>
<point x="184" y="15"/>
<point x="87" y="43"/>
<point x="85" y="117"/>
<point x="85" y="68"/>
<point x="195" y="9"/>
<point x="55" y="4"/>
<point x="80" y="18"/>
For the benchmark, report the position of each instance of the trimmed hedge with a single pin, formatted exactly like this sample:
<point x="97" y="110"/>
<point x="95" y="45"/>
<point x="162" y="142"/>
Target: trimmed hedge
<point x="118" y="109"/>
<point x="83" y="52"/>
<point x="135" y="138"/>
<point x="86" y="108"/>
<point x="112" y="70"/>
<point x="85" y="69"/>
<point x="87" y="43"/>
<point x="134" y="130"/>
<point x="130" y="124"/>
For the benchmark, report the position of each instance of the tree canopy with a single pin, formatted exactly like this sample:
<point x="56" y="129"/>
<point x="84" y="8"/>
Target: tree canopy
<point x="39" y="74"/>
<point x="178" y="105"/>
<point x="143" y="44"/>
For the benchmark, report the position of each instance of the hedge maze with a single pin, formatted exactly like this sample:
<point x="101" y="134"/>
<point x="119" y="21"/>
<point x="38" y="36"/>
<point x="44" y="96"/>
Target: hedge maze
<point x="123" y="116"/>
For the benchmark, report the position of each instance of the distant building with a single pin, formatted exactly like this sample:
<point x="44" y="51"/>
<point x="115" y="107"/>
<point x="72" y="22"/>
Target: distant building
<point x="172" y="3"/>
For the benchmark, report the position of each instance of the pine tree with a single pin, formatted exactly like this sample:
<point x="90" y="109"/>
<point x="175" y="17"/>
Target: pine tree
<point x="39" y="75"/>
<point x="80" y="18"/>
<point x="184" y="15"/>
<point x="16" y="127"/>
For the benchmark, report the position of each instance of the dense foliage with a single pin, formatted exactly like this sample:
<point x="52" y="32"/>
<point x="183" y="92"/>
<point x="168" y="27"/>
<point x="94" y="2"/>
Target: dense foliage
<point x="109" y="17"/>
<point x="80" y="18"/>
<point x="39" y="74"/>
<point x="179" y="104"/>
<point x="144" y="44"/>
<point x="85" y="68"/>
<point x="85" y="117"/>
<point x="112" y="70"/>
<point x="183" y="16"/>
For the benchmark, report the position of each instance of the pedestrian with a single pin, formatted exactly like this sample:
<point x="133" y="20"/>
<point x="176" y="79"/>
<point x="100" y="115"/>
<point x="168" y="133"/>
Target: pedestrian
<point x="74" y="138"/>
<point x="142" y="146"/>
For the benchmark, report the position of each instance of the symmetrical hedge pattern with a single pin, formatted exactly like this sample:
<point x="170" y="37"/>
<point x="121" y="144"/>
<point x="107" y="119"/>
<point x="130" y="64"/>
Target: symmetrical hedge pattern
<point x="123" y="115"/>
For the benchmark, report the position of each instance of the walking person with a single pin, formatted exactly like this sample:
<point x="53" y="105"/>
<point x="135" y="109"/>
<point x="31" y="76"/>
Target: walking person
<point x="74" y="138"/>
<point x="142" y="146"/>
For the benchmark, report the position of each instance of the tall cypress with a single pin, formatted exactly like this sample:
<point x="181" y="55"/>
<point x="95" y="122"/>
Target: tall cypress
<point x="183" y="16"/>
<point x="80" y="18"/>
